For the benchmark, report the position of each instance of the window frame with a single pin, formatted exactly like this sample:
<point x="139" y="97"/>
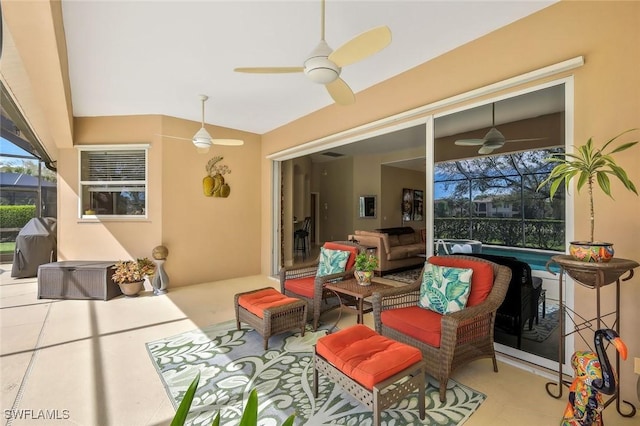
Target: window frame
<point x="83" y="183"/>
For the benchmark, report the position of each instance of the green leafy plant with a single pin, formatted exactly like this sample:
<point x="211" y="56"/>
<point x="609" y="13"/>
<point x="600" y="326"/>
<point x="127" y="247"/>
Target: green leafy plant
<point x="590" y="165"/>
<point x="130" y="271"/>
<point x="366" y="262"/>
<point x="249" y="415"/>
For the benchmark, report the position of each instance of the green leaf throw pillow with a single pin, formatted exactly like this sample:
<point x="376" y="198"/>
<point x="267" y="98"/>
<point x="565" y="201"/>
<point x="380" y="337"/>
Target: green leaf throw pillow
<point x="444" y="289"/>
<point x="332" y="261"/>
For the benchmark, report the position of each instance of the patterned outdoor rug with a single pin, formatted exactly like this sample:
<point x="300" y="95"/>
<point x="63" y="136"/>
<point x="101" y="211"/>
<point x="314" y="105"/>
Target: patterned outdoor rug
<point x="407" y="277"/>
<point x="541" y="331"/>
<point x="232" y="363"/>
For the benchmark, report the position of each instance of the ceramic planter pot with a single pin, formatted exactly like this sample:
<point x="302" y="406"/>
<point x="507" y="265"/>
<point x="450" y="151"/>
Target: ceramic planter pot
<point x="586" y="251"/>
<point x="363" y="277"/>
<point x="131" y="289"/>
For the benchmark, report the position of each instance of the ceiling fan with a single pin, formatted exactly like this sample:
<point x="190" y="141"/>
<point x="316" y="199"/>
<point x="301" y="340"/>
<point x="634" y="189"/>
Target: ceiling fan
<point x="202" y="139"/>
<point x="324" y="64"/>
<point x="494" y="139"/>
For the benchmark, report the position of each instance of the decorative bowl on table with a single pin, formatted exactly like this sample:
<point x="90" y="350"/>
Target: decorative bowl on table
<point x="591" y="252"/>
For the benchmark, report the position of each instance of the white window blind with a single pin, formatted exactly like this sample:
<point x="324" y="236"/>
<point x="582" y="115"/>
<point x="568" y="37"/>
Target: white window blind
<point x="113" y="181"/>
<point x="114" y="166"/>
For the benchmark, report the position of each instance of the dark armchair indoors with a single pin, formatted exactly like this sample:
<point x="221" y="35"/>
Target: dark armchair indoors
<point x="301" y="281"/>
<point x="452" y="340"/>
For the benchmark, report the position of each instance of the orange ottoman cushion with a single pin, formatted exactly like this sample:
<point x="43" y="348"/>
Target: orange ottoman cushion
<point x="365" y="356"/>
<point x="257" y="302"/>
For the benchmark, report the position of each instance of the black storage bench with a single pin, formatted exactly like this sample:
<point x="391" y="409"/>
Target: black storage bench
<point x="78" y="279"/>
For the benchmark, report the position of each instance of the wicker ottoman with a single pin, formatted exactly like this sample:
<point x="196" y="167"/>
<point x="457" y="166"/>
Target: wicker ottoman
<point x="369" y="367"/>
<point x="270" y="312"/>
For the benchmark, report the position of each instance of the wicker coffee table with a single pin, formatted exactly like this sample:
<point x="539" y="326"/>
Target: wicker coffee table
<point x="352" y="295"/>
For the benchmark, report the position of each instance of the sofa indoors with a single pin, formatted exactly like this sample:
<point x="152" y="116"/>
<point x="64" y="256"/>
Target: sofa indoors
<point x="396" y="248"/>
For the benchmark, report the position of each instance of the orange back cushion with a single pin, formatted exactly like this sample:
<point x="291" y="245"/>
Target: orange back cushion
<point x="351" y="249"/>
<point x="481" y="281"/>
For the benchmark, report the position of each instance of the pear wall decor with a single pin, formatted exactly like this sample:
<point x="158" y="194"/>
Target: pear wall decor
<point x="213" y="184"/>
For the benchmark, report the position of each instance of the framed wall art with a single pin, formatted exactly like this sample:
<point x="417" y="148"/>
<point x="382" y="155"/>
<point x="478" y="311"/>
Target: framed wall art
<point x="368" y="206"/>
<point x="407" y="204"/>
<point x="418" y="205"/>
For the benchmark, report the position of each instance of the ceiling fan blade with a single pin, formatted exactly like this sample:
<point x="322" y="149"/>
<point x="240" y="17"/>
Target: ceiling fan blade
<point x="469" y="142"/>
<point x="525" y="140"/>
<point x="485" y="149"/>
<point x="269" y="70"/>
<point x="361" y="46"/>
<point x="340" y="92"/>
<point x="175" y="137"/>
<point x="228" y="142"/>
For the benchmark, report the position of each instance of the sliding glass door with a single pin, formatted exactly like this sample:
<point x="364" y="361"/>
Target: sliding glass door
<point x="488" y="161"/>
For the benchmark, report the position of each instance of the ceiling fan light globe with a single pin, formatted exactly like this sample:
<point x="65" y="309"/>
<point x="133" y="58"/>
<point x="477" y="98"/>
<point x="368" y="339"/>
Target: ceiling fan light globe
<point x="202" y="143"/>
<point x="494" y="135"/>
<point x="493" y="144"/>
<point x="202" y="139"/>
<point x="322" y="75"/>
<point x="321" y="70"/>
<point x="318" y="67"/>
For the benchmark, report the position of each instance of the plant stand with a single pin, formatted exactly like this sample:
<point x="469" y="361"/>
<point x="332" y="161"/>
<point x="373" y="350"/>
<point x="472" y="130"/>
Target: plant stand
<point x="591" y="275"/>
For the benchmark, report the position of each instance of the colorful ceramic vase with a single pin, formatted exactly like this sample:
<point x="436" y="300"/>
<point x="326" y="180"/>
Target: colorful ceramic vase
<point x="591" y="252"/>
<point x="363" y="277"/>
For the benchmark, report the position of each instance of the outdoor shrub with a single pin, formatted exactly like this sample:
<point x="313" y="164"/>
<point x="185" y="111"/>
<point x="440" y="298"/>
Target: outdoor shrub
<point x="16" y="216"/>
<point x="532" y="233"/>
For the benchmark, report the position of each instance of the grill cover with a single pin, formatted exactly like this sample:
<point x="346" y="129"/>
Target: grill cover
<point x="35" y="245"/>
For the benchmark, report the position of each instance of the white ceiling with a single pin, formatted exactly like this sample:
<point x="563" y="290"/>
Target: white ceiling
<point x="156" y="57"/>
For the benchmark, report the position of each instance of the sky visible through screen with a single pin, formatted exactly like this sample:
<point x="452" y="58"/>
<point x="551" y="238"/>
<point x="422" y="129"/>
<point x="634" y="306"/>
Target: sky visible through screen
<point x="8" y="148"/>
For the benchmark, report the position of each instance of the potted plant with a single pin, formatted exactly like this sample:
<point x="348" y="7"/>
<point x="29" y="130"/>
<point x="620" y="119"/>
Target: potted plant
<point x="130" y="274"/>
<point x="365" y="264"/>
<point x="590" y="165"/>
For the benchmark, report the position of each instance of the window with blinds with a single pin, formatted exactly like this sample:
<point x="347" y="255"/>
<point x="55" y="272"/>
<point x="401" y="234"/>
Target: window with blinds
<point x="113" y="181"/>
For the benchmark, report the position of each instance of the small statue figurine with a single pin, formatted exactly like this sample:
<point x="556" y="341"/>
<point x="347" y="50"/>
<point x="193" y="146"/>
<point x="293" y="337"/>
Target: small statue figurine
<point x="160" y="280"/>
<point x="594" y="377"/>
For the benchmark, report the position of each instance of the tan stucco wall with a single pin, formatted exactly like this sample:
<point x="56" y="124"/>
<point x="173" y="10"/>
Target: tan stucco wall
<point x="607" y="101"/>
<point x="95" y="240"/>
<point x="208" y="238"/>
<point x="394" y="180"/>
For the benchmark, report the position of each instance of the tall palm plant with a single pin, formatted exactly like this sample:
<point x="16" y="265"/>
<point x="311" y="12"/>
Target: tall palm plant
<point x="590" y="165"/>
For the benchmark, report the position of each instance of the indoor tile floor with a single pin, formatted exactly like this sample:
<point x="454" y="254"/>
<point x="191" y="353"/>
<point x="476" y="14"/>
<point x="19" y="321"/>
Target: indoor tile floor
<point x="89" y="357"/>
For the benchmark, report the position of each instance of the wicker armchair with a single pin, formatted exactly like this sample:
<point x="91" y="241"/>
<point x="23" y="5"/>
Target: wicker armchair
<point x="465" y="335"/>
<point x="300" y="281"/>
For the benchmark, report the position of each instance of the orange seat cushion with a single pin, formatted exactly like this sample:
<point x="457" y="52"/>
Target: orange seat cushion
<point x="351" y="249"/>
<point x="481" y="281"/>
<point x="365" y="356"/>
<point x="301" y="286"/>
<point x="257" y="302"/>
<point x="419" y="323"/>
